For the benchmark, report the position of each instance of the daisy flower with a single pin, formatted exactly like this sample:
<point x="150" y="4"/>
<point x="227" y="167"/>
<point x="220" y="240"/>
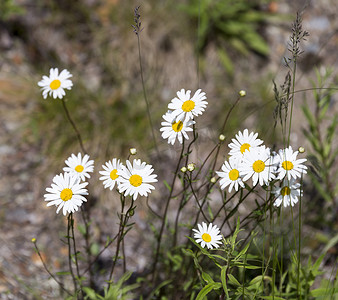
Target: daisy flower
<point x="78" y="166"/>
<point x="257" y="163"/>
<point x="185" y="108"/>
<point x="208" y="235"/>
<point x="244" y="141"/>
<point x="56" y="83"/>
<point x="67" y="193"/>
<point x="110" y="176"/>
<point x="289" y="164"/>
<point x="173" y="128"/>
<point x="230" y="175"/>
<point x="288" y="193"/>
<point x="135" y="179"/>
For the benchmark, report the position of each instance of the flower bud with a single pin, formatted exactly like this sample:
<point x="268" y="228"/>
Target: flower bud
<point x="191" y="167"/>
<point x="132" y="151"/>
<point x="221" y="137"/>
<point x="183" y="169"/>
<point x="33" y="240"/>
<point x="213" y="180"/>
<point x="301" y="149"/>
<point x="242" y="93"/>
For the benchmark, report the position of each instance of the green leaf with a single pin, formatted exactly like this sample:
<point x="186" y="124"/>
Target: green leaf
<point x="90" y="293"/>
<point x="233" y="280"/>
<point x="225" y="61"/>
<point x="324" y="292"/>
<point x="63" y="273"/>
<point x="205" y="291"/>
<point x="167" y="185"/>
<point x="207" y="278"/>
<point x="224" y="280"/>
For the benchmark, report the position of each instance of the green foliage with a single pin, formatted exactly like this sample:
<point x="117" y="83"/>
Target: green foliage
<point x="8" y="9"/>
<point x="228" y="22"/>
<point x="320" y="133"/>
<point x="118" y="290"/>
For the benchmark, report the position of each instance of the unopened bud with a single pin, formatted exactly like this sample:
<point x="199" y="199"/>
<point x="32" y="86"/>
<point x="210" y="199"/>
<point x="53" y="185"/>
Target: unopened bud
<point x="191" y="167"/>
<point x="133" y="151"/>
<point x="33" y="240"/>
<point x="183" y="169"/>
<point x="131" y="212"/>
<point x="301" y="149"/>
<point x="221" y="137"/>
<point x="242" y="93"/>
<point x="213" y="180"/>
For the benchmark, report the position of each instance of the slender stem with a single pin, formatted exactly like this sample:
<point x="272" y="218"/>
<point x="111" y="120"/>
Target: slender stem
<point x="86" y="222"/>
<point x="196" y="198"/>
<point x="145" y="95"/>
<point x="165" y="214"/>
<point x="292" y="97"/>
<point x="222" y="130"/>
<point x="121" y="227"/>
<point x="178" y="213"/>
<point x="74" y="245"/>
<point x="50" y="274"/>
<point x="73" y="125"/>
<point x="70" y="253"/>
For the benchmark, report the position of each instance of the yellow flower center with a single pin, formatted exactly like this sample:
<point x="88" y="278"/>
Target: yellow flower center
<point x="55" y="84"/>
<point x="258" y="166"/>
<point x="285" y="191"/>
<point x="66" y="194"/>
<point x="287" y="165"/>
<point x="135" y="180"/>
<point x="188" y="105"/>
<point x="79" y="168"/>
<point x="113" y="174"/>
<point x="233" y="174"/>
<point x="206" y="237"/>
<point x="244" y="147"/>
<point x="177" y="126"/>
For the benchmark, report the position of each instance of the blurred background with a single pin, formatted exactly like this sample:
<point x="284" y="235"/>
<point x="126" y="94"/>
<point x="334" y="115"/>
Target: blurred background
<point x="239" y="45"/>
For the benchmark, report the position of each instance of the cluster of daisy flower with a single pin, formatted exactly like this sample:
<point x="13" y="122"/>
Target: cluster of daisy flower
<point x="180" y="116"/>
<point x="68" y="189"/>
<point x="248" y="158"/>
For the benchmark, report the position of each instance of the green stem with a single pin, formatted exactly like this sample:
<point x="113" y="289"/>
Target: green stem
<point x="70" y="253"/>
<point x="50" y="273"/>
<point x="165" y="215"/>
<point x="78" y="135"/>
<point x="145" y="96"/>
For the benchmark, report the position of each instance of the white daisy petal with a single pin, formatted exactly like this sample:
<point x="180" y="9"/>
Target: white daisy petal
<point x="135" y="178"/>
<point x="111" y="176"/>
<point x="230" y="175"/>
<point x="208" y="235"/>
<point x="288" y="164"/>
<point x="79" y="167"/>
<point x="55" y="84"/>
<point x="288" y="193"/>
<point x="243" y="142"/>
<point x="173" y="128"/>
<point x="66" y="193"/>
<point x="258" y="164"/>
<point x="185" y="107"/>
